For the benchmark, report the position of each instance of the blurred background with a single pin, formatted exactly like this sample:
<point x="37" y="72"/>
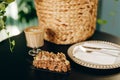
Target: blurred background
<point x="22" y="14"/>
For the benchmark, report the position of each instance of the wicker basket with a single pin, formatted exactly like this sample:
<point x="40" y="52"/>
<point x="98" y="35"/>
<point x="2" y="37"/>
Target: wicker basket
<point x="67" y="21"/>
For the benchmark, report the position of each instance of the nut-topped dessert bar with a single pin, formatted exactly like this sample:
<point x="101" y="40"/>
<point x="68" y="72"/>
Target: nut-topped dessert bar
<point x="51" y="61"/>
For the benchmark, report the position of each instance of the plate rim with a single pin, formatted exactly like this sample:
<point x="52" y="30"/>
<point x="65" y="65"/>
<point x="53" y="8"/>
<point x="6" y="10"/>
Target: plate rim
<point x="92" y="65"/>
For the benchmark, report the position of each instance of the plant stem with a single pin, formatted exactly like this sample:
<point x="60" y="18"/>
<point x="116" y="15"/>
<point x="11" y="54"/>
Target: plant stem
<point x="11" y="42"/>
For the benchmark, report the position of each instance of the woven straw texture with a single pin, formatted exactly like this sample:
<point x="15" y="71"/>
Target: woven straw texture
<point x="67" y="21"/>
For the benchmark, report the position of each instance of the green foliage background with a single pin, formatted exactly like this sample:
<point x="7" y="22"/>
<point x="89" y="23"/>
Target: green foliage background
<point x="3" y="6"/>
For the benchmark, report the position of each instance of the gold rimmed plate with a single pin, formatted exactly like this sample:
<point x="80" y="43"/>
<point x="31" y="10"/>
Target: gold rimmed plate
<point x="108" y="57"/>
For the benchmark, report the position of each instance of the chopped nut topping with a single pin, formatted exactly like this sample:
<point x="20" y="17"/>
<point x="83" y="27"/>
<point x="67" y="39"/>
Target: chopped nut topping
<point x="54" y="62"/>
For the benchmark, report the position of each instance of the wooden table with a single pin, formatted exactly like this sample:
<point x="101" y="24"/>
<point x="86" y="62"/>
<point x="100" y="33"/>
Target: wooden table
<point x="16" y="66"/>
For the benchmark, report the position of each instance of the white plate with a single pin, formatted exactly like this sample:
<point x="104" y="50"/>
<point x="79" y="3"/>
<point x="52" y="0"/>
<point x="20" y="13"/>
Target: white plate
<point x="99" y="59"/>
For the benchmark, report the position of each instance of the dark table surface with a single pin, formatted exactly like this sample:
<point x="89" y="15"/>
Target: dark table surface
<point x="17" y="66"/>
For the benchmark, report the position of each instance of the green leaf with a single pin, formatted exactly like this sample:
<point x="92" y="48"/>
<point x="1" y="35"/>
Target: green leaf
<point x="2" y="24"/>
<point x="100" y="21"/>
<point x="9" y="1"/>
<point x="2" y="6"/>
<point x="13" y="42"/>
